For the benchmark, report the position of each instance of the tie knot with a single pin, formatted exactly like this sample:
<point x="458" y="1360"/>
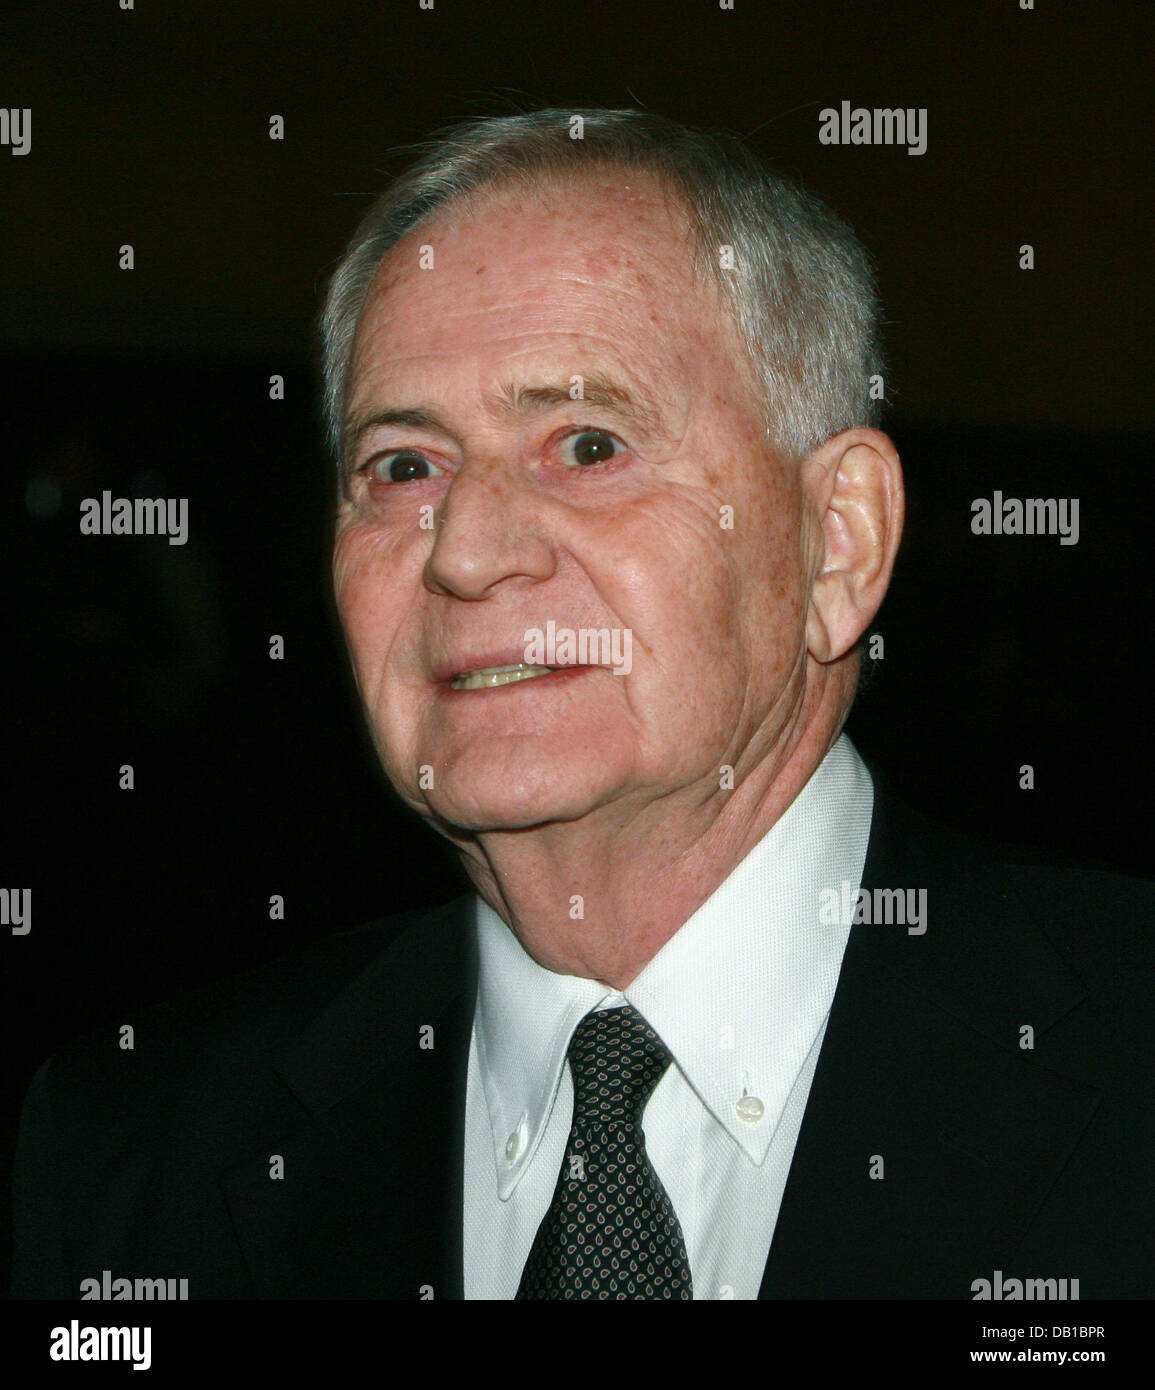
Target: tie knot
<point x="616" y="1059"/>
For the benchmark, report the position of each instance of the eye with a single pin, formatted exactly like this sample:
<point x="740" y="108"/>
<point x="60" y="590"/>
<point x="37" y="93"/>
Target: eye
<point x="402" y="466"/>
<point x="590" y="446"/>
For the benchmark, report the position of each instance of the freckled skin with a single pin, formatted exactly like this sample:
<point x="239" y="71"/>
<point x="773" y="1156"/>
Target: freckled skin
<point x="600" y="785"/>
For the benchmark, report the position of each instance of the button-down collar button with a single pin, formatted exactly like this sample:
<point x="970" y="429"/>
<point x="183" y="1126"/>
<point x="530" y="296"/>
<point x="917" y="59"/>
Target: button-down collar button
<point x="750" y="1109"/>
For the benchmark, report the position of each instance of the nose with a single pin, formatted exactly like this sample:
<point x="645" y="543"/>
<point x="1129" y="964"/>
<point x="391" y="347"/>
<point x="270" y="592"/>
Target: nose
<point x="489" y="529"/>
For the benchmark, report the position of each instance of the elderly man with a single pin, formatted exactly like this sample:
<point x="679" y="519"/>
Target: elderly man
<point x="723" y="1020"/>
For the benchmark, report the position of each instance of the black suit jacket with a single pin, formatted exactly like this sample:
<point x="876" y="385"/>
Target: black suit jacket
<point x="155" y="1163"/>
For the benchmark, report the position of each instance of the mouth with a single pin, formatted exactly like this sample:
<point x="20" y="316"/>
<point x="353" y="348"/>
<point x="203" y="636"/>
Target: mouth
<point x="490" y="677"/>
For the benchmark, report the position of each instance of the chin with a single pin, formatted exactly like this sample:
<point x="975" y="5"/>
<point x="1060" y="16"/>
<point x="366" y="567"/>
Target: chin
<point x="515" y="798"/>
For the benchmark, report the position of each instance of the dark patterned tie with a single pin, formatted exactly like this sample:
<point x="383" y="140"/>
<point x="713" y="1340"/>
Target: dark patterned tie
<point x="610" y="1231"/>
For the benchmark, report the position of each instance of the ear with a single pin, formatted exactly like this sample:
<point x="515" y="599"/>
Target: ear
<point x="854" y="483"/>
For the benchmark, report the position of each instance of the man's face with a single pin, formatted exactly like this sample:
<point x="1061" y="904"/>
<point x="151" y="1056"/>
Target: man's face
<point x="485" y="503"/>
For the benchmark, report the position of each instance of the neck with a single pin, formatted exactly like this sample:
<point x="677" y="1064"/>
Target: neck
<point x="600" y="896"/>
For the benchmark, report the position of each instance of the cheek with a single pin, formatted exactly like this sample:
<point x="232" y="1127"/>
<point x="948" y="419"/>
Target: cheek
<point x="676" y="586"/>
<point x="769" y="549"/>
<point x="365" y="587"/>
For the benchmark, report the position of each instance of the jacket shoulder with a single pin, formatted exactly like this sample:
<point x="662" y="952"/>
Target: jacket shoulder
<point x="264" y="1008"/>
<point x="106" y="1131"/>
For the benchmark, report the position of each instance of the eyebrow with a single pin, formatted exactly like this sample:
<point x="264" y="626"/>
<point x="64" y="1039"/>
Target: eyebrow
<point x="358" y="426"/>
<point x="597" y="390"/>
<point x="516" y="402"/>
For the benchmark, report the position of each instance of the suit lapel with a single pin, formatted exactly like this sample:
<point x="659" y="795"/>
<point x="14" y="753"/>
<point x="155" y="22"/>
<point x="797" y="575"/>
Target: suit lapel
<point x="921" y="1069"/>
<point x="370" y="1204"/>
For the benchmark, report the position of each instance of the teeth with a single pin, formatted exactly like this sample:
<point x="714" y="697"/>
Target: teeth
<point x="491" y="676"/>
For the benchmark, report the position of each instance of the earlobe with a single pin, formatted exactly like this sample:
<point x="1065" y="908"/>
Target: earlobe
<point x="817" y="637"/>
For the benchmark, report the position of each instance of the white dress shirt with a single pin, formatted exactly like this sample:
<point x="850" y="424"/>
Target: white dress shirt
<point x="740" y="996"/>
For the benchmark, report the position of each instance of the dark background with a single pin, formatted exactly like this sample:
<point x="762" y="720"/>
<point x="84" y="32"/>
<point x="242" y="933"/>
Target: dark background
<point x="255" y="777"/>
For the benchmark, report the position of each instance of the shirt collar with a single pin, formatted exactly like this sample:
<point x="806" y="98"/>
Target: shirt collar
<point x="738" y="994"/>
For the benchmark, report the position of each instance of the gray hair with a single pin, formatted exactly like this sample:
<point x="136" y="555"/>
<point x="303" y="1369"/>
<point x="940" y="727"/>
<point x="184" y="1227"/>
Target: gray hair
<point x="801" y="288"/>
